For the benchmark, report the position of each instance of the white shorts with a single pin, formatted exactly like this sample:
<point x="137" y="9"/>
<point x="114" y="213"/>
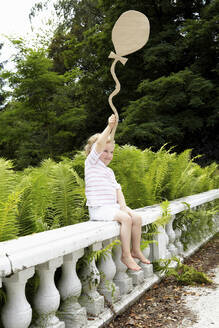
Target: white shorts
<point x="103" y="213"/>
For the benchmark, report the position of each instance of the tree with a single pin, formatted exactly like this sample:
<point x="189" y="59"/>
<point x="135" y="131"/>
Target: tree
<point x="179" y="33"/>
<point x="177" y="109"/>
<point x="2" y="92"/>
<point x="169" y="89"/>
<point x="41" y="120"/>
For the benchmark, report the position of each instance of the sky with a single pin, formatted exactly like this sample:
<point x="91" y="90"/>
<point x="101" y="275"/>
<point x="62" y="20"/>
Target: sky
<point x="14" y="22"/>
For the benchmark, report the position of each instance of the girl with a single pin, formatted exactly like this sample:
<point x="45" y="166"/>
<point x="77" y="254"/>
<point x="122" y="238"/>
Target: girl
<point x="105" y="199"/>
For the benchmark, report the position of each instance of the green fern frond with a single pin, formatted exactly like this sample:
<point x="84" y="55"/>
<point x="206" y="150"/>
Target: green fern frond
<point x="8" y="217"/>
<point x="184" y="274"/>
<point x="36" y="199"/>
<point x="7" y="179"/>
<point x="128" y="165"/>
<point x="67" y="195"/>
<point x="165" y="216"/>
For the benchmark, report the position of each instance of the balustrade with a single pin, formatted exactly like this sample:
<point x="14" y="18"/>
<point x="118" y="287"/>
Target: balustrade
<point x="172" y="236"/>
<point x="17" y="312"/>
<point x="71" y="299"/>
<point x="69" y="287"/>
<point x="107" y="269"/>
<point x="90" y="298"/>
<point x="47" y="299"/>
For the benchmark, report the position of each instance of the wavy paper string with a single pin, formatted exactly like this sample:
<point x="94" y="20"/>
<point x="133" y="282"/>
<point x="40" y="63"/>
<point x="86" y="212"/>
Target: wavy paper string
<point x="123" y="60"/>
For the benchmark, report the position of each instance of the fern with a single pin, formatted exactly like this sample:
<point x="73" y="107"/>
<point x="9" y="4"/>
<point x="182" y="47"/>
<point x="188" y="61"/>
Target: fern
<point x="165" y="216"/>
<point x="178" y="174"/>
<point x="195" y="224"/>
<point x="52" y="195"/>
<point x="184" y="274"/>
<point x="128" y="165"/>
<point x="36" y="199"/>
<point x="68" y="198"/>
<point x="9" y="200"/>
<point x="8" y="220"/>
<point x="7" y="179"/>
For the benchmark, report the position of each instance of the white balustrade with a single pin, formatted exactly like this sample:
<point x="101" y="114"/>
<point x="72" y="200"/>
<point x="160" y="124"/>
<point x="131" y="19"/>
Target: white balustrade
<point x="171" y="234"/>
<point x="17" y="312"/>
<point x="69" y="287"/>
<point x="45" y="252"/>
<point x="137" y="276"/>
<point x="121" y="279"/>
<point x="107" y="269"/>
<point x="160" y="250"/>
<point x="147" y="268"/>
<point x="178" y="243"/>
<point x="47" y="298"/>
<point x="90" y="278"/>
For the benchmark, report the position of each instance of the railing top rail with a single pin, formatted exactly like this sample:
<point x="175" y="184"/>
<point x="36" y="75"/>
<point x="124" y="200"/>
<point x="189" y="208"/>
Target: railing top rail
<point x="24" y="252"/>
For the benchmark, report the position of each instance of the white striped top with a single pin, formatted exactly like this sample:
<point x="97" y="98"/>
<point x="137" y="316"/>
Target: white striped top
<point x="100" y="181"/>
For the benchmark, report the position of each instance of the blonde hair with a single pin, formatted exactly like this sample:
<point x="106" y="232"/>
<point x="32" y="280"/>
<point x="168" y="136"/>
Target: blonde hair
<point x="92" y="141"/>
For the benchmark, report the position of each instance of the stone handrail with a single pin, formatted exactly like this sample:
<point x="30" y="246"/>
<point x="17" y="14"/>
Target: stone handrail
<point x="71" y="302"/>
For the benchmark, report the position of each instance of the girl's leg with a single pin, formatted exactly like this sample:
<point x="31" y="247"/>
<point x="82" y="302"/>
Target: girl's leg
<point x="136" y="238"/>
<point x="125" y="234"/>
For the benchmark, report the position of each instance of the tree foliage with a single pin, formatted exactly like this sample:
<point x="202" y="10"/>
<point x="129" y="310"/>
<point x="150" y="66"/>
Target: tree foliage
<point x="2" y="92"/>
<point x="169" y="89"/>
<point x="41" y="119"/>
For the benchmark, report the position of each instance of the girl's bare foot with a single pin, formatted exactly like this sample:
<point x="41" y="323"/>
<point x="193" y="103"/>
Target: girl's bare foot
<point x="141" y="257"/>
<point x="130" y="263"/>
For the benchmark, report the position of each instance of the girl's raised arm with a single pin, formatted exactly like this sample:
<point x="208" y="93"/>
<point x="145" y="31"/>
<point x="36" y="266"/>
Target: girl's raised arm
<point x="102" y="139"/>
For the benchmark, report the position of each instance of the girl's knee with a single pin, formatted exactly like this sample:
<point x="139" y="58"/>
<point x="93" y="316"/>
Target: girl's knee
<point x="123" y="218"/>
<point x="137" y="219"/>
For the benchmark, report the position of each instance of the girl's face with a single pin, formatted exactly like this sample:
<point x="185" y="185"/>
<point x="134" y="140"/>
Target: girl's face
<point x="107" y="154"/>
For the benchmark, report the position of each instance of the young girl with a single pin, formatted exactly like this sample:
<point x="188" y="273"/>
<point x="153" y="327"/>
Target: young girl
<point x="105" y="198"/>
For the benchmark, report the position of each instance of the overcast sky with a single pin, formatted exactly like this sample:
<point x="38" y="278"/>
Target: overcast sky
<point x="14" y="21"/>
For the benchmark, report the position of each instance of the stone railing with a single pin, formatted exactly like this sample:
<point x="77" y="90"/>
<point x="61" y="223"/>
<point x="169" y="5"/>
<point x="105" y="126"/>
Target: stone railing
<point x="92" y="300"/>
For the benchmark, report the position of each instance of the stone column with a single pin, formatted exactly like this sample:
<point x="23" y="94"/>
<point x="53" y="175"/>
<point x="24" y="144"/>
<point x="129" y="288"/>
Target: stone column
<point x="90" y="279"/>
<point x="171" y="234"/>
<point x="178" y="243"/>
<point x="121" y="279"/>
<point x="47" y="298"/>
<point x="70" y="289"/>
<point x="160" y="248"/>
<point x="17" y="313"/>
<point x="107" y="271"/>
<point x="147" y="268"/>
<point x="137" y="276"/>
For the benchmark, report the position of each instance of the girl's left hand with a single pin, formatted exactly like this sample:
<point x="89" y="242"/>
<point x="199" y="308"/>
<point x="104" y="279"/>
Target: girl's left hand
<point x="127" y="210"/>
<point x="112" y="120"/>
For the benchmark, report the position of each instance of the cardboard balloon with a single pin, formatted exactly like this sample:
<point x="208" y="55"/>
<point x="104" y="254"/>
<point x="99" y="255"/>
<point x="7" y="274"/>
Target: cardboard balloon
<point x="130" y="33"/>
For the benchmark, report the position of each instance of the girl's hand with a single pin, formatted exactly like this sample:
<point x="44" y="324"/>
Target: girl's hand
<point x="112" y="121"/>
<point x="127" y="210"/>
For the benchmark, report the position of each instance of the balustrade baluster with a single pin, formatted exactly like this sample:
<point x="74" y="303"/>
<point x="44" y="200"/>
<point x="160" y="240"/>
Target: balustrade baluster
<point x="137" y="276"/>
<point x="171" y="234"/>
<point x="147" y="268"/>
<point x="160" y="250"/>
<point x="121" y="279"/>
<point x="107" y="270"/>
<point x="70" y="289"/>
<point x="178" y="243"/>
<point x="17" y="313"/>
<point x="47" y="298"/>
<point x="90" y="279"/>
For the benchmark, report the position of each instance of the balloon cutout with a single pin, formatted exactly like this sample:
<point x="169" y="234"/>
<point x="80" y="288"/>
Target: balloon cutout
<point x="130" y="33"/>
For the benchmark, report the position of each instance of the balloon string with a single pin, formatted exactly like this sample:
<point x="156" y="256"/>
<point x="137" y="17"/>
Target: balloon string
<point x="117" y="89"/>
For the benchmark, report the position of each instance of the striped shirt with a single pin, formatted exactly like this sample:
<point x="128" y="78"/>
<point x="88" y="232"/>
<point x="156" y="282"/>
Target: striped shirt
<point x="100" y="181"/>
